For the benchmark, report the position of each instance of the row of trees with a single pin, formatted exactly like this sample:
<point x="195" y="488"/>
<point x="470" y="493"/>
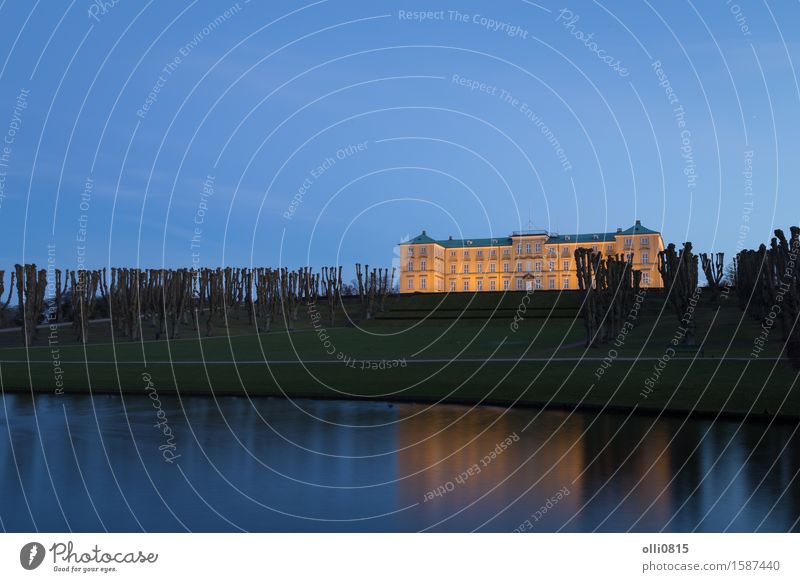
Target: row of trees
<point x="610" y="285"/>
<point x="167" y="299"/>
<point x="767" y="286"/>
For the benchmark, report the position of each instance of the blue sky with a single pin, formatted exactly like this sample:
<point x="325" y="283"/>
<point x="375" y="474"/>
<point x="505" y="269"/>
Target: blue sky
<point x="324" y="132"/>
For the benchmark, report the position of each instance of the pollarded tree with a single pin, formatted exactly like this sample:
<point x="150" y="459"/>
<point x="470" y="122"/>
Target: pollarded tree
<point x="4" y="305"/>
<point x="714" y="269"/>
<point x="31" y="286"/>
<point x="679" y="273"/>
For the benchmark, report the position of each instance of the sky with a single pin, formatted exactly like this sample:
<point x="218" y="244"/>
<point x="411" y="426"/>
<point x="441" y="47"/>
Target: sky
<point x="318" y="133"/>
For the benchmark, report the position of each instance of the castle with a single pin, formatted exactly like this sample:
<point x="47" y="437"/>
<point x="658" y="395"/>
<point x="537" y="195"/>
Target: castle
<point x="526" y="260"/>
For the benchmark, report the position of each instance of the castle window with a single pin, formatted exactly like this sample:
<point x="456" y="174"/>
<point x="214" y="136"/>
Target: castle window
<point x="410" y="251"/>
<point x="466" y="254"/>
<point x="492" y="285"/>
<point x="537" y="283"/>
<point x="566" y="265"/>
<point x="628" y="242"/>
<point x="551" y="283"/>
<point x="565" y="283"/>
<point x="423" y="250"/>
<point x="452" y="285"/>
<point x="505" y="284"/>
<point x="538" y="247"/>
<point x="492" y="267"/>
<point x="466" y="284"/>
<point x="423" y="282"/>
<point x="643" y="241"/>
<point x="466" y="268"/>
<point x="480" y="285"/>
<point x="537" y="267"/>
<point x="645" y="258"/>
<point x="409" y="283"/>
<point x="452" y="269"/>
<point x="506" y="252"/>
<point x="410" y="266"/>
<point x="528" y="248"/>
<point x="551" y="266"/>
<point x="480" y="267"/>
<point x="646" y="278"/>
<point x="520" y="284"/>
<point x="505" y="267"/>
<point x="423" y="265"/>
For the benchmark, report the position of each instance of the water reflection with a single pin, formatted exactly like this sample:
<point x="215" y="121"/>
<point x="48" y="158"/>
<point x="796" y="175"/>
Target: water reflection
<point x="93" y="464"/>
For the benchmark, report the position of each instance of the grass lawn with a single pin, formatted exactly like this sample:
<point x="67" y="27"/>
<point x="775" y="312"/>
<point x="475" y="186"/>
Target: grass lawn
<point x="431" y="348"/>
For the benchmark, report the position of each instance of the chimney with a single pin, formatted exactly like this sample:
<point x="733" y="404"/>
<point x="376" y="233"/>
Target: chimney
<point x="425" y="233"/>
<point x="450" y="237"/>
<point x="638" y="222"/>
<point x="619" y="229"/>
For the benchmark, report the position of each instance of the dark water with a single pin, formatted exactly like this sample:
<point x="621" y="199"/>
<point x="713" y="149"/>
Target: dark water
<point x="80" y="463"/>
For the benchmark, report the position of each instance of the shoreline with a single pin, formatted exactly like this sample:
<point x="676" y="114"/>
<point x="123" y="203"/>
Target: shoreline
<point x="731" y="416"/>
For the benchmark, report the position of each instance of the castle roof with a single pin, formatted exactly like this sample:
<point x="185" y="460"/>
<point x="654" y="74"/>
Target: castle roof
<point x="552" y="238"/>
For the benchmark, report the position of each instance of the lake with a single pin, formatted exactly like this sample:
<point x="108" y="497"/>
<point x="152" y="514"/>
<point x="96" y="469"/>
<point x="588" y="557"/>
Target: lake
<point x="132" y="463"/>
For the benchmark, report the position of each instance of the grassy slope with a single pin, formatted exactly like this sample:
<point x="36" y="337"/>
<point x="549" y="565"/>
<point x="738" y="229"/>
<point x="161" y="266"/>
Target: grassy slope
<point x="478" y="359"/>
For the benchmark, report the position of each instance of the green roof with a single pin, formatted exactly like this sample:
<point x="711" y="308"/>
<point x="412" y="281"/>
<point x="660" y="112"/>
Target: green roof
<point x="595" y="237"/>
<point x="582" y="238"/>
<point x="639" y="229"/>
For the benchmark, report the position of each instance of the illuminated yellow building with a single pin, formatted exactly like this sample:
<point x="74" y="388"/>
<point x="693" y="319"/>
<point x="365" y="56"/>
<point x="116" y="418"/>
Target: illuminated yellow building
<point x="532" y="259"/>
